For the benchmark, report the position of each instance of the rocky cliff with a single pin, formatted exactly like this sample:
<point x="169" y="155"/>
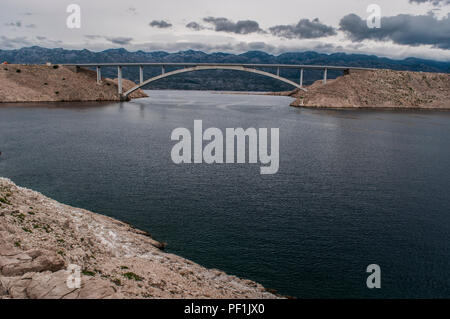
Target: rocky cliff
<point x="54" y="83"/>
<point x="40" y="238"/>
<point x="379" y="89"/>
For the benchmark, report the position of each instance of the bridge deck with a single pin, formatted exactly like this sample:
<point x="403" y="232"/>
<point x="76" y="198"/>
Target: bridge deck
<point x="190" y="64"/>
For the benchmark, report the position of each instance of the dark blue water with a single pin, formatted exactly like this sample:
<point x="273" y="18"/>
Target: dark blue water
<point x="354" y="187"/>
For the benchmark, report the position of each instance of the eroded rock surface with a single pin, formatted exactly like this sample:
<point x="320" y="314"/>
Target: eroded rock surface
<point x="379" y="89"/>
<point x="40" y="238"/>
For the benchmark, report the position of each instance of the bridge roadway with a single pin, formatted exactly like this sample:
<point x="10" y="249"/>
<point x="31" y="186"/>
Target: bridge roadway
<point x="191" y="67"/>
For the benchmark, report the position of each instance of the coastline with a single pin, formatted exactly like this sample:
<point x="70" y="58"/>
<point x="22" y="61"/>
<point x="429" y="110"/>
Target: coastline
<point x="40" y="238"/>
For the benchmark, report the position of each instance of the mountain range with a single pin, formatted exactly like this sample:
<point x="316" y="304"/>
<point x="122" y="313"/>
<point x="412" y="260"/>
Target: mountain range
<point x="221" y="79"/>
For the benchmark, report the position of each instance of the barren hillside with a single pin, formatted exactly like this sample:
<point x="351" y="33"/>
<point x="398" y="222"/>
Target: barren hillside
<point x="379" y="89"/>
<point x="42" y="83"/>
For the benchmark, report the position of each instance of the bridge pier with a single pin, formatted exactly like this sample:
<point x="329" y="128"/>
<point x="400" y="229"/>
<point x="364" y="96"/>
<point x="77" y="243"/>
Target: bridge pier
<point x="278" y="71"/>
<point x="301" y="77"/>
<point x="325" y="76"/>
<point x="119" y="80"/>
<point x="163" y="69"/>
<point x="141" y="74"/>
<point x="99" y="75"/>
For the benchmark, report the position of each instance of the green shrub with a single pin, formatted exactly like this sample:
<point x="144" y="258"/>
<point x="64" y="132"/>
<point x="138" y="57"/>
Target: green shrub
<point x="132" y="276"/>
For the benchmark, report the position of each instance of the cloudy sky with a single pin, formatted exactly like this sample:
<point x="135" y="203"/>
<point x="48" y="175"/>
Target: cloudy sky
<point x="419" y="28"/>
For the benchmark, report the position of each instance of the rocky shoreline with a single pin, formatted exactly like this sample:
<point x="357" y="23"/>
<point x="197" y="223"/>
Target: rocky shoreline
<point x="40" y="238"/>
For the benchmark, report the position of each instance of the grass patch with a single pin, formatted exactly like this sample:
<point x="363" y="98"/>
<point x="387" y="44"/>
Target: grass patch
<point x="30" y="213"/>
<point x="17" y="244"/>
<point x="88" y="273"/>
<point x="124" y="267"/>
<point x="4" y="201"/>
<point x="26" y="230"/>
<point x="132" y="276"/>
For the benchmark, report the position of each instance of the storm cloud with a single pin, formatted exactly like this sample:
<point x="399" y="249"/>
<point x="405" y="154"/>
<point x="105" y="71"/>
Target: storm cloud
<point x="304" y="29"/>
<point x="194" y="26"/>
<point x="161" y="24"/>
<point x="239" y="27"/>
<point x="401" y="29"/>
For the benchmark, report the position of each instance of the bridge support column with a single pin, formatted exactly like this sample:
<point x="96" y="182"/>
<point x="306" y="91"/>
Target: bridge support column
<point x="99" y="75"/>
<point x="278" y="71"/>
<point x="119" y="80"/>
<point x="141" y="74"/>
<point x="163" y="70"/>
<point x="301" y="78"/>
<point x="325" y="76"/>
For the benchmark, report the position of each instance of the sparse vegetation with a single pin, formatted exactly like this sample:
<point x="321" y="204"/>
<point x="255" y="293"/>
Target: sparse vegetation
<point x="88" y="273"/>
<point x="47" y="228"/>
<point x="4" y="200"/>
<point x="132" y="276"/>
<point x="25" y="229"/>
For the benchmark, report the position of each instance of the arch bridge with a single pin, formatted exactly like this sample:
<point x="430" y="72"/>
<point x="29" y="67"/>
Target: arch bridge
<point x="192" y="67"/>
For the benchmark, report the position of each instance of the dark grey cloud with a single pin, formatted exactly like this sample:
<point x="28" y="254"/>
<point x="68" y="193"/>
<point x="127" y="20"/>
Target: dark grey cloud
<point x="401" y="29"/>
<point x="119" y="40"/>
<point x="239" y="27"/>
<point x="194" y="26"/>
<point x="433" y="2"/>
<point x="160" y="24"/>
<point x="304" y="29"/>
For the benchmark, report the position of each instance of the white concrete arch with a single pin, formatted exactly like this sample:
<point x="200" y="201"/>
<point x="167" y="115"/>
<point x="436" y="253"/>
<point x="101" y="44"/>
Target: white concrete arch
<point x="213" y="67"/>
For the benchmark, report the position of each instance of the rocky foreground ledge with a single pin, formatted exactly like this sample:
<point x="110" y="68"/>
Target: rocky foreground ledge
<point x="40" y="238"/>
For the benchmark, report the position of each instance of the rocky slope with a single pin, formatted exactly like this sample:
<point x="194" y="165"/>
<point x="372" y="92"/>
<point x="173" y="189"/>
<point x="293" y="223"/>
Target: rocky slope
<point x="379" y="89"/>
<point x="40" y="238"/>
<point x="43" y="83"/>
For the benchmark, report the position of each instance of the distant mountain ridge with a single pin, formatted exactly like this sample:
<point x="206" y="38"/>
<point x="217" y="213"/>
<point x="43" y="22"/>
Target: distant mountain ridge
<point x="215" y="80"/>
